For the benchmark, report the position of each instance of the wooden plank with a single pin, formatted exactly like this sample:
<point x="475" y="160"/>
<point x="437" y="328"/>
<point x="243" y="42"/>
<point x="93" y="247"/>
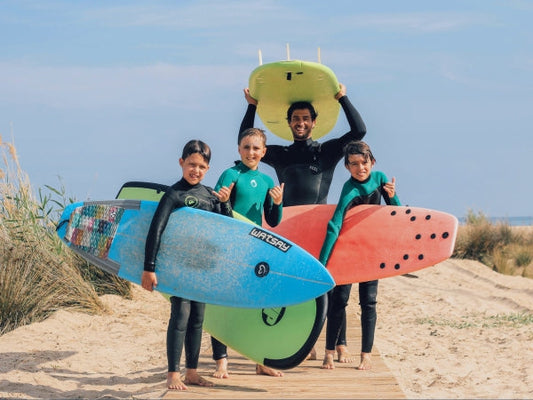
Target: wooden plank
<point x="307" y="381"/>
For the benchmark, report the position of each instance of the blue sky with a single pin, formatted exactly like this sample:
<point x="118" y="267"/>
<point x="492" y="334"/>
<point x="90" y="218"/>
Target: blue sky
<point x="96" y="93"/>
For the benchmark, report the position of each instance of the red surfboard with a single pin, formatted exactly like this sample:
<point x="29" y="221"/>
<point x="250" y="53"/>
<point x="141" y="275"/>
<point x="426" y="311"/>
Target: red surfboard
<point x="375" y="241"/>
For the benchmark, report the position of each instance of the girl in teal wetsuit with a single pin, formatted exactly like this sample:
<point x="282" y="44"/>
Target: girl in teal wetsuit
<point x="364" y="187"/>
<point x="252" y="195"/>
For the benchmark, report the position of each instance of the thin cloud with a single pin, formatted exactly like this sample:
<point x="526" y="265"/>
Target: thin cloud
<point x="197" y="15"/>
<point x="417" y="22"/>
<point x="159" y="85"/>
<point x="181" y="15"/>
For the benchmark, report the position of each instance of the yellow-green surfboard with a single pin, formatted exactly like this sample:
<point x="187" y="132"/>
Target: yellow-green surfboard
<point x="277" y="85"/>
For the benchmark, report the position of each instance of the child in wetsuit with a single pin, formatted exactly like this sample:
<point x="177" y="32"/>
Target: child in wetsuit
<point x="253" y="194"/>
<point x="365" y="186"/>
<point x="186" y="316"/>
<point x="306" y="166"/>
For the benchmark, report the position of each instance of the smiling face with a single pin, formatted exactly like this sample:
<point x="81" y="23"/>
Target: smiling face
<point x="359" y="166"/>
<point x="252" y="149"/>
<point x="194" y="168"/>
<point x="301" y="124"/>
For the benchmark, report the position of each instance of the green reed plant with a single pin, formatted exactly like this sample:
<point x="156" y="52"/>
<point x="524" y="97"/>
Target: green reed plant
<point x="38" y="273"/>
<point x="523" y="258"/>
<point x="495" y="245"/>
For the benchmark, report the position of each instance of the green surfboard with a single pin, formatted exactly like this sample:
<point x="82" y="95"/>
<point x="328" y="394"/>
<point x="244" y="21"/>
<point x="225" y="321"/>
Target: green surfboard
<point x="279" y="337"/>
<point x="277" y="85"/>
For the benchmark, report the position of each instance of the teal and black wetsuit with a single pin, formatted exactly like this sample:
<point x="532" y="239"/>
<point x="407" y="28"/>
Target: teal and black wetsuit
<point x="251" y="199"/>
<point x="249" y="196"/>
<point x="353" y="194"/>
<point x="306" y="167"/>
<point x="186" y="316"/>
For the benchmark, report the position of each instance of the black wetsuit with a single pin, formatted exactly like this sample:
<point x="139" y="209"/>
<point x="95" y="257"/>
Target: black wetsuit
<point x="306" y="167"/>
<point x="186" y="316"/>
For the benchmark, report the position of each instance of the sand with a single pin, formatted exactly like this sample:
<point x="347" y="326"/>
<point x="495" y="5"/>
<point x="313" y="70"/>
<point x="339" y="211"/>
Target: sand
<point x="443" y="333"/>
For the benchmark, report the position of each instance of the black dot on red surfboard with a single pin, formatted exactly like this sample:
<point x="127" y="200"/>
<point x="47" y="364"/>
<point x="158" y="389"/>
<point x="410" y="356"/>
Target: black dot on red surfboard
<point x="418" y="236"/>
<point x="428" y="217"/>
<point x="406" y="256"/>
<point x="433" y="236"/>
<point x="420" y="256"/>
<point x="393" y="213"/>
<point x="382" y="265"/>
<point x="413" y="218"/>
<point x="408" y="211"/>
<point x="396" y="266"/>
<point x="445" y="235"/>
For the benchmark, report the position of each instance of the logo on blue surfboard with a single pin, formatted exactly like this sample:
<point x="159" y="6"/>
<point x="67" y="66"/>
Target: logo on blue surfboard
<point x="270" y="239"/>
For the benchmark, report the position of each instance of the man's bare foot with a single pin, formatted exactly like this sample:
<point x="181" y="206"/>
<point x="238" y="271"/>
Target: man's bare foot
<point x="262" y="370"/>
<point x="193" y="378"/>
<point x="343" y="355"/>
<point x="366" y="362"/>
<point x="221" y="371"/>
<point x="311" y="355"/>
<point x="328" y="360"/>
<point x="174" y="381"/>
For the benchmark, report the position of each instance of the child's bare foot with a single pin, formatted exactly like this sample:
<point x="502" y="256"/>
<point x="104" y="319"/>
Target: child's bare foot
<point x="311" y="355"/>
<point x="193" y="378"/>
<point x="174" y="381"/>
<point x="262" y="370"/>
<point x="366" y="362"/>
<point x="221" y="371"/>
<point x="328" y="360"/>
<point x="343" y="355"/>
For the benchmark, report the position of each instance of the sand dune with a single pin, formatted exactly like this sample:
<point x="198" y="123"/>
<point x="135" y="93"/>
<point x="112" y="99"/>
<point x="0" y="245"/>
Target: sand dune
<point x="444" y="334"/>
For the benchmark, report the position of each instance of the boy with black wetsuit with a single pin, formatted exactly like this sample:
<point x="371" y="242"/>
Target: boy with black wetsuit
<point x="186" y="316"/>
<point x="306" y="167"/>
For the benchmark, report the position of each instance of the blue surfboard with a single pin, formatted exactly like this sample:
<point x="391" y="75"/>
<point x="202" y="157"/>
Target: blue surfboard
<point x="203" y="256"/>
<point x="278" y="337"/>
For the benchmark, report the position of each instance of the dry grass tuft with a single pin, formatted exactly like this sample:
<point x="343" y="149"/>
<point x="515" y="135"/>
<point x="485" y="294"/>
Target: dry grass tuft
<point x="498" y="246"/>
<point x="38" y="274"/>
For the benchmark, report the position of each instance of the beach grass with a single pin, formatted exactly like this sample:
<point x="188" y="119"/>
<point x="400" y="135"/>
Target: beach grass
<point x="38" y="273"/>
<point x="498" y="245"/>
<point x="479" y="320"/>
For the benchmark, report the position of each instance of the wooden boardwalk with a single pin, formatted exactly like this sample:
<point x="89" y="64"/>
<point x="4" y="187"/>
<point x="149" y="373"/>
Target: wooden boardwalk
<point x="307" y="381"/>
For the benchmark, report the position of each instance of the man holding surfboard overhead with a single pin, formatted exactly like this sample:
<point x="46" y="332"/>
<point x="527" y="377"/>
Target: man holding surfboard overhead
<point x="306" y="166"/>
